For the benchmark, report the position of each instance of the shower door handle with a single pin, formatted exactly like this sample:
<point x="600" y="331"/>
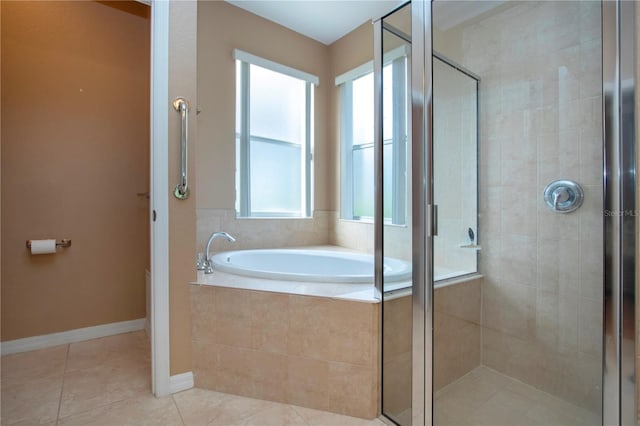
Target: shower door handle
<point x="432" y="220"/>
<point x="181" y="105"/>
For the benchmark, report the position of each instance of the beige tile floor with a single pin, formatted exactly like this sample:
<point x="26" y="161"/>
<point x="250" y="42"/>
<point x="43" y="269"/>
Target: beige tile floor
<point x="107" y="382"/>
<point x="486" y="397"/>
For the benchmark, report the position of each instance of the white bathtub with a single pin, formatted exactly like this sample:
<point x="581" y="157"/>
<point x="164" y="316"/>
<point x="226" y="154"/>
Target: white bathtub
<point x="322" y="271"/>
<point x="309" y="265"/>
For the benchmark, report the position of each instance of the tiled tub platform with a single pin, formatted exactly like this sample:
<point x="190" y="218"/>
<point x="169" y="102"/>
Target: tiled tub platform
<point x="315" y="352"/>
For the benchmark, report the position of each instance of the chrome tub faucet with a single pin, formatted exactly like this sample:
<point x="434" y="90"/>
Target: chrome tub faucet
<point x="206" y="265"/>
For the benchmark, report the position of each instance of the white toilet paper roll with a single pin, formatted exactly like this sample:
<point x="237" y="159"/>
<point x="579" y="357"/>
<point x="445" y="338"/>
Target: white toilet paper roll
<point x="43" y="246"/>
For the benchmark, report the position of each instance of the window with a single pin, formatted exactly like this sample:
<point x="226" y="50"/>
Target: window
<point x="274" y="129"/>
<point x="357" y="140"/>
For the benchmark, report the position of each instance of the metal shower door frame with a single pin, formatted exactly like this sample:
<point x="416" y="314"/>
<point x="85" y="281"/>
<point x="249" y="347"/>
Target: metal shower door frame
<point x="619" y="217"/>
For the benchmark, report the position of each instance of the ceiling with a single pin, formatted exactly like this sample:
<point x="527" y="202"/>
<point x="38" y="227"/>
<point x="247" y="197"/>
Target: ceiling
<point x="323" y="20"/>
<point x="328" y="20"/>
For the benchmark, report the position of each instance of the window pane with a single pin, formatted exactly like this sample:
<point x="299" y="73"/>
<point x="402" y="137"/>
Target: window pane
<point x="277" y="107"/>
<point x="275" y="178"/>
<point x="363" y="179"/>
<point x="363" y="110"/>
<point x="238" y="96"/>
<point x="387" y="102"/>
<point x="363" y="195"/>
<point x="387" y="180"/>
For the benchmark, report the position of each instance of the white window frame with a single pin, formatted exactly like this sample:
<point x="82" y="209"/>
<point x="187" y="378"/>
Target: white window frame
<point x="397" y="58"/>
<point x="243" y="151"/>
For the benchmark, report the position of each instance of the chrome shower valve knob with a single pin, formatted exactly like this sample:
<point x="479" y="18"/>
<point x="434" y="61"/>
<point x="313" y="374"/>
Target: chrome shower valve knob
<point x="563" y="196"/>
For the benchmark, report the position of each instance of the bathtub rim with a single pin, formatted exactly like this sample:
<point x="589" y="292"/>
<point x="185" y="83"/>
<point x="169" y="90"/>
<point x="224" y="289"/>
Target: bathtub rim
<point x="402" y="274"/>
<point x="366" y="293"/>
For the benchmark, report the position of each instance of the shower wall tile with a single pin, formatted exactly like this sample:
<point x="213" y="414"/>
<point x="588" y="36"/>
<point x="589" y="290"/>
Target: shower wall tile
<point x="517" y="205"/>
<point x="557" y="322"/>
<point x="509" y="308"/>
<point x="591" y="218"/>
<point x="456" y="331"/>
<point x="590" y="326"/>
<point x="591" y="157"/>
<point x="559" y="155"/>
<point x="490" y="154"/>
<point x="559" y="266"/>
<point x="591" y="272"/>
<point x="555" y="227"/>
<point x="457" y="317"/>
<point x="396" y="379"/>
<point x="396" y="355"/>
<point x="518" y="260"/>
<point x="460" y="301"/>
<point x="459" y="349"/>
<point x="396" y="328"/>
<point x="489" y="256"/>
<point x="540" y="120"/>
<point x="490" y="211"/>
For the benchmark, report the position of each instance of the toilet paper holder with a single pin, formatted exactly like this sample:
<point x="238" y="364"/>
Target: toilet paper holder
<point x="62" y="243"/>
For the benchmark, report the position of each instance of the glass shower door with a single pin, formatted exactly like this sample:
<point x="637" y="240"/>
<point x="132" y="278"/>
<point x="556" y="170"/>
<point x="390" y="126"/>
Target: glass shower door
<point x="520" y="342"/>
<point x="520" y="185"/>
<point x="394" y="57"/>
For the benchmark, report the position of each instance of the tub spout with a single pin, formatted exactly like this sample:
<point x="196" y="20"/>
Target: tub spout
<point x="207" y="260"/>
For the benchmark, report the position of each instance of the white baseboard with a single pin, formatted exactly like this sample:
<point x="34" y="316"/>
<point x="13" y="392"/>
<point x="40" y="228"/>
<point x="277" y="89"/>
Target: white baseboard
<point x="181" y="382"/>
<point x="71" y="336"/>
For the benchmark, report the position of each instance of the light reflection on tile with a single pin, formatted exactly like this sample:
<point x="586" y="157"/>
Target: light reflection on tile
<point x="486" y="397"/>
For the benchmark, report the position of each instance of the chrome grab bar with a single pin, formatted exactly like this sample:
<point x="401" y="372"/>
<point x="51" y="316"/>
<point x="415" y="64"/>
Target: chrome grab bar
<point x="182" y="189"/>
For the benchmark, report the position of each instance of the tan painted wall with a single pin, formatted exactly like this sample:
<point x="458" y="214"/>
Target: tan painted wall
<point x="222" y="28"/>
<point x="182" y="218"/>
<point x="75" y="152"/>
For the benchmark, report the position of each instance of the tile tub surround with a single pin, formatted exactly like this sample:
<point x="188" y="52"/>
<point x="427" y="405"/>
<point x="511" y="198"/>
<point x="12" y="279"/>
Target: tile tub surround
<point x="256" y="233"/>
<point x="358" y="235"/>
<point x="312" y="352"/>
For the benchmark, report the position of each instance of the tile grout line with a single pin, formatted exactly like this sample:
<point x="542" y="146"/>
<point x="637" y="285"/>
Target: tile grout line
<point x="304" y="419"/>
<point x="175" y="403"/>
<point x="64" y="373"/>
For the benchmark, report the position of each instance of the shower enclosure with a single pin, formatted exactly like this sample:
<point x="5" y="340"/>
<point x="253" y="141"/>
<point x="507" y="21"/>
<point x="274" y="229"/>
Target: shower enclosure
<point x="506" y="174"/>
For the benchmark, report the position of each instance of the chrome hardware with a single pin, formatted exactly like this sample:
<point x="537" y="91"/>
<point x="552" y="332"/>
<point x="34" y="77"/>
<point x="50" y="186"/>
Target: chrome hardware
<point x="182" y="106"/>
<point x="208" y="264"/>
<point x="62" y="243"/>
<point x="432" y="220"/>
<point x="200" y="262"/>
<point x="563" y="196"/>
